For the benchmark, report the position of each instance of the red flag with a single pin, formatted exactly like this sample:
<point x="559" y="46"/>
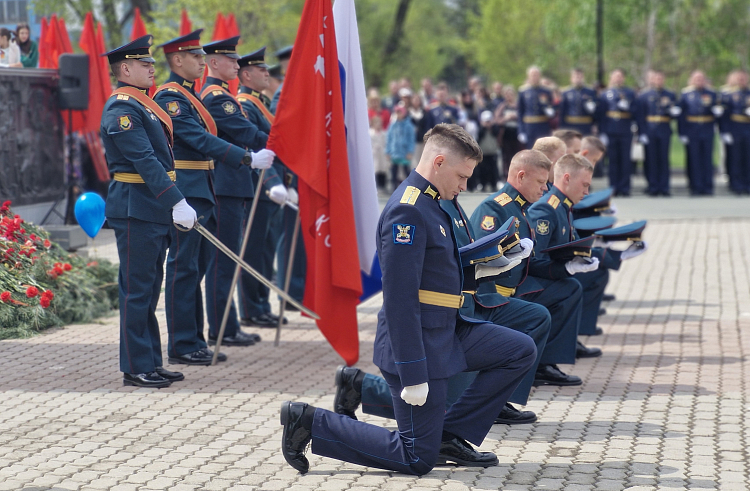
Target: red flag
<point x="186" y="27"/>
<point x="232" y="30"/>
<point x="308" y="135"/>
<point x="139" y="28"/>
<point x="51" y="41"/>
<point x="43" y="48"/>
<point x="88" y="44"/>
<point x="220" y="28"/>
<point x="64" y="41"/>
<point x="101" y="48"/>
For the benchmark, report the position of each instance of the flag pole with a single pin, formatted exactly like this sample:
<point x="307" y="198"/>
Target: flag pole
<point x="237" y="268"/>
<point x="288" y="279"/>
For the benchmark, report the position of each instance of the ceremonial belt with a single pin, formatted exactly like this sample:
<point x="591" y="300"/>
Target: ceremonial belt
<point x="134" y="178"/>
<point x="700" y="119"/>
<point x="150" y="104"/>
<point x="205" y="116"/>
<point x="194" y="164"/>
<point x="739" y="118"/>
<point x="210" y="88"/>
<point x="618" y="115"/>
<point x="441" y="299"/>
<point x="579" y="119"/>
<point x="657" y="119"/>
<point x="535" y="119"/>
<point x="506" y="292"/>
<point x="242" y="96"/>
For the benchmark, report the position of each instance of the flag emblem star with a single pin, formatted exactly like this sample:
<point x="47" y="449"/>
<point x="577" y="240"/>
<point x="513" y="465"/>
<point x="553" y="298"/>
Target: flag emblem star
<point x="320" y="66"/>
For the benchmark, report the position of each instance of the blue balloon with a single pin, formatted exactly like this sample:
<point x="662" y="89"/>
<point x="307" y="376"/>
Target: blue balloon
<point x="89" y="212"/>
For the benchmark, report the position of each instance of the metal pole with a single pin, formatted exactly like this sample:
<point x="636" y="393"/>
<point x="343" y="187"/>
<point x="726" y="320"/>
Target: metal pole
<point x="288" y="279"/>
<point x="237" y="268"/>
<point x="600" y="42"/>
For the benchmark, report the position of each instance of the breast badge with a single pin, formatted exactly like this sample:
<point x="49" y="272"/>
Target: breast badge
<point x="488" y="223"/>
<point x="125" y="123"/>
<point x="442" y="231"/>
<point x="403" y="233"/>
<point x="542" y="227"/>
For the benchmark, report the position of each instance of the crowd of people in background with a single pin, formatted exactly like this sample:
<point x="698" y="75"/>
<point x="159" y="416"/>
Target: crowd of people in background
<point x="17" y="49"/>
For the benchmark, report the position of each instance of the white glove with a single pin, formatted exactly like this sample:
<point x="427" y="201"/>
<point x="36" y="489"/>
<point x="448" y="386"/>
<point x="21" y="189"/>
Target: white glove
<point x="604" y="139"/>
<point x="523" y="138"/>
<point x="416" y="395"/>
<point x="717" y="110"/>
<point x="262" y="159"/>
<point x="623" y="104"/>
<point x="747" y="111"/>
<point x="549" y="111"/>
<point x="635" y="249"/>
<point x="590" y="106"/>
<point x="598" y="242"/>
<point x="184" y="215"/>
<point x="581" y="265"/>
<point x="675" y="111"/>
<point x="528" y="246"/>
<point x="278" y="194"/>
<point x="292" y="196"/>
<point x="496" y="267"/>
<point x="612" y="210"/>
<point x="685" y="140"/>
<point x="643" y="139"/>
<point x="727" y="138"/>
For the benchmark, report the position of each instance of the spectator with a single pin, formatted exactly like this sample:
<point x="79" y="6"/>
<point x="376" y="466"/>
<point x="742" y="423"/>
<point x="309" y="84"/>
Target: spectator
<point x="10" y="55"/>
<point x="468" y="118"/>
<point x="374" y="109"/>
<point x="28" y="48"/>
<point x="497" y="95"/>
<point x="400" y="144"/>
<point x="419" y="119"/>
<point x="507" y="116"/>
<point x="427" y="93"/>
<point x="489" y="130"/>
<point x="392" y="98"/>
<point x="379" y="160"/>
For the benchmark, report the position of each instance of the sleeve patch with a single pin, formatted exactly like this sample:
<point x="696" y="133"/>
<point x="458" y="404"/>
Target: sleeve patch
<point x="229" y="107"/>
<point x="488" y="223"/>
<point x="403" y="233"/>
<point x="125" y="123"/>
<point x="173" y="108"/>
<point x="542" y="227"/>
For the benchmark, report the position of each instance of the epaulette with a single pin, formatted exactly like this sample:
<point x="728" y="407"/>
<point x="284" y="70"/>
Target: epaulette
<point x="687" y="89"/>
<point x="170" y="89"/>
<point x="216" y="92"/>
<point x="433" y="105"/>
<point x="503" y="199"/>
<point x="524" y="87"/>
<point x="729" y="89"/>
<point x="410" y="195"/>
<point x="123" y="97"/>
<point x="553" y="201"/>
<point x="567" y="88"/>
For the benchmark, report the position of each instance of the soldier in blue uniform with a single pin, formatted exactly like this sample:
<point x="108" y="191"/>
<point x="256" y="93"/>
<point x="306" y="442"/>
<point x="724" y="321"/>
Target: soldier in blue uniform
<point x="700" y="109"/>
<point x="735" y="132"/>
<point x="255" y="309"/>
<point x="441" y="111"/>
<point x="654" y="111"/>
<point x="615" y="119"/>
<point x="535" y="109"/>
<point x="233" y="185"/>
<point x="421" y="341"/>
<point x="283" y="56"/>
<point x="578" y="105"/>
<point x="142" y="203"/>
<point x="196" y="150"/>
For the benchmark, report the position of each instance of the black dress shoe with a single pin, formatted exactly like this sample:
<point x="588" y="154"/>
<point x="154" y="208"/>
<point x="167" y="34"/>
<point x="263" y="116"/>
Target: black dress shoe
<point x="348" y="397"/>
<point x="552" y="375"/>
<point x="275" y="318"/>
<point x="509" y="415"/>
<point x="458" y="451"/>
<point x="598" y="331"/>
<point x="608" y="297"/>
<point x="602" y="311"/>
<point x="262" y="320"/>
<point x="171" y="376"/>
<point x="210" y="353"/>
<point x="239" y="339"/>
<point x="199" y="357"/>
<point x="150" y="379"/>
<point x="296" y="436"/>
<point x="584" y="352"/>
<point x="246" y="321"/>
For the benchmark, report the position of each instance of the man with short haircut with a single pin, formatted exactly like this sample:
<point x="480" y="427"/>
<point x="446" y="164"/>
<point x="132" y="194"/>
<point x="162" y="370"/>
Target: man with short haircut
<point x="593" y="149"/>
<point x="553" y="148"/>
<point x="572" y="139"/>
<point x="10" y="53"/>
<point x="441" y="111"/>
<point x="283" y="56"/>
<point x="578" y="105"/>
<point x="535" y="108"/>
<point x="420" y="339"/>
<point x="615" y="118"/>
<point x="735" y="133"/>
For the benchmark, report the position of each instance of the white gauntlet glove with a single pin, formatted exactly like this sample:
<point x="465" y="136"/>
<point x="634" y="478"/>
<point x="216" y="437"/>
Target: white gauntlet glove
<point x="278" y="194"/>
<point x="675" y="111"/>
<point x="718" y="111"/>
<point x="685" y="140"/>
<point x="581" y="265"/>
<point x="184" y="215"/>
<point x="635" y="249"/>
<point x="549" y="111"/>
<point x="643" y="139"/>
<point x="293" y="196"/>
<point x="590" y="106"/>
<point x="604" y="139"/>
<point x="261" y="159"/>
<point x="496" y="266"/>
<point x="416" y="395"/>
<point x="523" y="138"/>
<point x="623" y="104"/>
<point x="727" y="138"/>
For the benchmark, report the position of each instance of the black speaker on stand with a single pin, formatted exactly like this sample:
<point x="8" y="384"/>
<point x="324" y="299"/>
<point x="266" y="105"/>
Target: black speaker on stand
<point x="73" y="95"/>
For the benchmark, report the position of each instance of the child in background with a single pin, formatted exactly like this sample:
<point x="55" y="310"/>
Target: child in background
<point x="400" y="144"/>
<point x="379" y="160"/>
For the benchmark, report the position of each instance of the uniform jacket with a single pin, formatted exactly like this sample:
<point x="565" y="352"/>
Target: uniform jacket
<point x="697" y="120"/>
<point x="652" y="112"/>
<point x="573" y="111"/>
<point x="134" y="142"/>
<point x="532" y="103"/>
<point x="192" y="141"/>
<point x="736" y="101"/>
<point x="613" y="119"/>
<point x="438" y="113"/>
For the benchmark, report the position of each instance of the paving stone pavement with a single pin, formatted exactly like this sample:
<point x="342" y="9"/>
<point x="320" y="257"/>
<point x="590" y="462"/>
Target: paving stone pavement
<point x="665" y="408"/>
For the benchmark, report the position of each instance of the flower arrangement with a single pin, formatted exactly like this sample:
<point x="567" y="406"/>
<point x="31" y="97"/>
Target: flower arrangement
<point x="42" y="285"/>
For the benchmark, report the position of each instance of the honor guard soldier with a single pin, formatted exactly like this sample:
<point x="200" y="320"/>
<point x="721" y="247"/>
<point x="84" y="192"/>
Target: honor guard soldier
<point x="255" y="309"/>
<point x="142" y="203"/>
<point x="735" y="132"/>
<point x="441" y="111"/>
<point x="615" y="120"/>
<point x="233" y="184"/>
<point x="535" y="109"/>
<point x="283" y="56"/>
<point x="654" y="111"/>
<point x="197" y="150"/>
<point x="700" y="109"/>
<point x="578" y="105"/>
<point x="421" y="340"/>
<point x="726" y="90"/>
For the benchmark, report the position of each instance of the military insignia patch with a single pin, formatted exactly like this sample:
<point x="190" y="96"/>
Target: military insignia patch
<point x="706" y="99"/>
<point x="173" y="108"/>
<point x="403" y="233"/>
<point x="488" y="223"/>
<point x="442" y="231"/>
<point x="542" y="227"/>
<point x="503" y="199"/>
<point x="229" y="108"/>
<point x="543" y="98"/>
<point x="125" y="123"/>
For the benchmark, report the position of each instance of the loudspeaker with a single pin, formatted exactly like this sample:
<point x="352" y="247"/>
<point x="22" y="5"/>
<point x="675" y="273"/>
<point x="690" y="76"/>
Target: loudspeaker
<point x="74" y="81"/>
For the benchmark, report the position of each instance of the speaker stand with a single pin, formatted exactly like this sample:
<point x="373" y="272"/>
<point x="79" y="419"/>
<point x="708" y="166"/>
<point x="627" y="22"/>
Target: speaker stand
<point x="72" y="188"/>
